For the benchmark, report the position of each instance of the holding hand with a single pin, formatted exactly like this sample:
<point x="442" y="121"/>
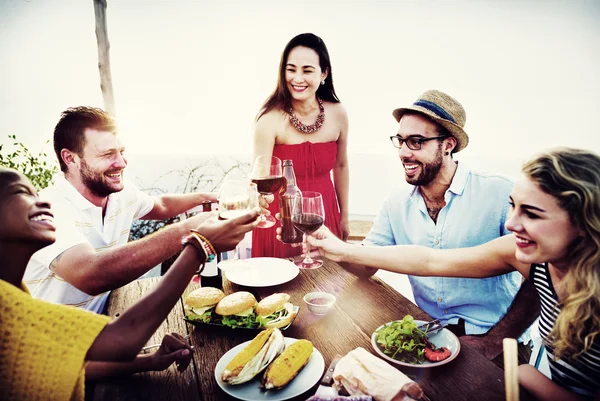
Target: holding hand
<point x="174" y="348"/>
<point x="224" y="235"/>
<point x="328" y="244"/>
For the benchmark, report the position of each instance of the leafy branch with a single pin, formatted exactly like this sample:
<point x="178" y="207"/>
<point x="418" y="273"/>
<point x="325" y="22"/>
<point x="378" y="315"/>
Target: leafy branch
<point x="36" y="167"/>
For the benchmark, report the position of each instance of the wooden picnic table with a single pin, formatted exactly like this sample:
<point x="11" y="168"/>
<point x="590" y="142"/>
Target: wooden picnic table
<point x="362" y="306"/>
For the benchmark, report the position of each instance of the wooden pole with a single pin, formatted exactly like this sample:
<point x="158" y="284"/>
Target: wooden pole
<point x="104" y="57"/>
<point x="511" y="366"/>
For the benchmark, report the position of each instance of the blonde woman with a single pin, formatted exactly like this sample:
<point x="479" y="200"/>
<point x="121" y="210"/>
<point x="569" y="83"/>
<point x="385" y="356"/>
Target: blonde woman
<point x="555" y="222"/>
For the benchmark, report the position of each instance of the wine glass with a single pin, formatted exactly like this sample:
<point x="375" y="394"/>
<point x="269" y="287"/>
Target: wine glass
<point x="308" y="216"/>
<point x="237" y="197"/>
<point x="267" y="175"/>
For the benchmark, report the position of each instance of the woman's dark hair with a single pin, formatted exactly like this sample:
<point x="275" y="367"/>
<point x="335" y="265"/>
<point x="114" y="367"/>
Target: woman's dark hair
<point x="281" y="98"/>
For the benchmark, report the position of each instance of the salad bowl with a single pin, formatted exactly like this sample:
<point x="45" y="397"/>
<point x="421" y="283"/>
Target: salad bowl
<point x="441" y="338"/>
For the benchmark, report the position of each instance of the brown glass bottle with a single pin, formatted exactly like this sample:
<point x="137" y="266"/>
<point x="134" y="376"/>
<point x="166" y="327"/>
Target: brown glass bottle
<point x="289" y="195"/>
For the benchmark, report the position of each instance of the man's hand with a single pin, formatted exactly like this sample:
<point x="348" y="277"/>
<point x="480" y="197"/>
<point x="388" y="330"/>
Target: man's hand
<point x="264" y="201"/>
<point x="224" y="235"/>
<point x="488" y="347"/>
<point x="328" y="244"/>
<point x="174" y="348"/>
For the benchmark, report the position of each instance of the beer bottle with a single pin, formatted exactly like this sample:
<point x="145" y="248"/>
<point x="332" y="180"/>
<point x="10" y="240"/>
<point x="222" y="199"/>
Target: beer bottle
<point x="289" y="196"/>
<point x="206" y="206"/>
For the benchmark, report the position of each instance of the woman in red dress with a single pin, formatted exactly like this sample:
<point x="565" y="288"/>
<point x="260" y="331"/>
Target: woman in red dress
<point x="304" y="121"/>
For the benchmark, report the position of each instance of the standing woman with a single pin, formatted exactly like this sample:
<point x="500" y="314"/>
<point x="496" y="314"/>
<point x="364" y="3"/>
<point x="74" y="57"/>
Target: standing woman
<point x="304" y="121"/>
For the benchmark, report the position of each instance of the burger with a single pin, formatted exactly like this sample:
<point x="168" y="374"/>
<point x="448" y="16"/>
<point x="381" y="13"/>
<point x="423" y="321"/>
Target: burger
<point x="237" y="310"/>
<point x="200" y="304"/>
<point x="275" y="311"/>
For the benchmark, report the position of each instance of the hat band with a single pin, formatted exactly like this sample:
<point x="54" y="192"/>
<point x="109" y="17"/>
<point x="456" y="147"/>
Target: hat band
<point x="435" y="109"/>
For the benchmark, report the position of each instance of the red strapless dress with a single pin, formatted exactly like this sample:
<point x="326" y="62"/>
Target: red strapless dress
<point x="313" y="163"/>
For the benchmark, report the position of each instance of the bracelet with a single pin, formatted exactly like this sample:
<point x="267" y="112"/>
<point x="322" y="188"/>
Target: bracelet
<point x="197" y="244"/>
<point x="208" y="247"/>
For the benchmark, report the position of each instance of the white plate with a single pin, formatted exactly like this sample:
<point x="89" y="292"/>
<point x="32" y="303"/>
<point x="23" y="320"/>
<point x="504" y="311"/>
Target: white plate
<point x="250" y="391"/>
<point x="259" y="272"/>
<point x="442" y="338"/>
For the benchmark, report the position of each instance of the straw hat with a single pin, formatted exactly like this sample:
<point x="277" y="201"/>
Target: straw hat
<point x="442" y="109"/>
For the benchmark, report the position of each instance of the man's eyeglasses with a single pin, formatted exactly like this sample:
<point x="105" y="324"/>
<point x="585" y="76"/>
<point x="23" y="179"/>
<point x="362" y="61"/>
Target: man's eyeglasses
<point x="413" y="142"/>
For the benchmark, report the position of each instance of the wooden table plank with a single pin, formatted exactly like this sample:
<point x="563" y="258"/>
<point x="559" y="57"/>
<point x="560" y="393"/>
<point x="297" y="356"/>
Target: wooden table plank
<point x="167" y="385"/>
<point x="362" y="306"/>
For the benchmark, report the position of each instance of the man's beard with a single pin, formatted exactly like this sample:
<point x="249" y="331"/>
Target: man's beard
<point x="94" y="181"/>
<point x="428" y="171"/>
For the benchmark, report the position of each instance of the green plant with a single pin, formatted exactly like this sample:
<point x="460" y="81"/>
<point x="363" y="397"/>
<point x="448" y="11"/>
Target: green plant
<point x="35" y="167"/>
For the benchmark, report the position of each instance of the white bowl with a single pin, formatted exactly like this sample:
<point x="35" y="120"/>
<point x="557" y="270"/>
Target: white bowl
<point x="319" y="303"/>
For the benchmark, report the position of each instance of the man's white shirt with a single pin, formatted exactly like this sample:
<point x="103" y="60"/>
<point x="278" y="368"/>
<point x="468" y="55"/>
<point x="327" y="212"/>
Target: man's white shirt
<point x="78" y="221"/>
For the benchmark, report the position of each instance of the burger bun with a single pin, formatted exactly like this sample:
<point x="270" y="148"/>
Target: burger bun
<point x="272" y="303"/>
<point x="235" y="303"/>
<point x="205" y="296"/>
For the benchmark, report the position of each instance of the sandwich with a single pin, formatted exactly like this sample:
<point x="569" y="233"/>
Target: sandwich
<point x="200" y="304"/>
<point x="287" y="365"/>
<point x="275" y="311"/>
<point x="362" y="373"/>
<point x="255" y="357"/>
<point x="237" y="310"/>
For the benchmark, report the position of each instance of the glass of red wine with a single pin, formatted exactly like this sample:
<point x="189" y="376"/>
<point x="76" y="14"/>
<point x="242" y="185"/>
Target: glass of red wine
<point x="267" y="175"/>
<point x="308" y="216"/>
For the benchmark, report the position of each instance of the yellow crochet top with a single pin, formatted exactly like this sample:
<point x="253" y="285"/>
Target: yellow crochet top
<point x="43" y="347"/>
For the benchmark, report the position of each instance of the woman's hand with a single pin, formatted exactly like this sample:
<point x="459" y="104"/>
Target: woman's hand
<point x="345" y="226"/>
<point x="224" y="235"/>
<point x="328" y="244"/>
<point x="174" y="348"/>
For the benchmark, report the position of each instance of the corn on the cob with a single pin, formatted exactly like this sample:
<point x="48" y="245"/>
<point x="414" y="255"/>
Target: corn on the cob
<point x="237" y="363"/>
<point x="287" y="365"/>
<point x="255" y="357"/>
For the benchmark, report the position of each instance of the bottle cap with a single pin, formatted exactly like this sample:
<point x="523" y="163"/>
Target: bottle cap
<point x="287" y="163"/>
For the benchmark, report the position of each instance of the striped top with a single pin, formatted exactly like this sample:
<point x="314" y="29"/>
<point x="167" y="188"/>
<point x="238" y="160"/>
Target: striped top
<point x="581" y="376"/>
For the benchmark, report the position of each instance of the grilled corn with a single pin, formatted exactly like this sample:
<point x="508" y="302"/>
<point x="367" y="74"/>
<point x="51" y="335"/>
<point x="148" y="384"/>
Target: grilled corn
<point x="255" y="357"/>
<point x="287" y="365"/>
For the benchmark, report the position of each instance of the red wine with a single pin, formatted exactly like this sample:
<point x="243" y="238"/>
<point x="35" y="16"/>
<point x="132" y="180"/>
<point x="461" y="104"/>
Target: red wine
<point x="269" y="185"/>
<point x="308" y="223"/>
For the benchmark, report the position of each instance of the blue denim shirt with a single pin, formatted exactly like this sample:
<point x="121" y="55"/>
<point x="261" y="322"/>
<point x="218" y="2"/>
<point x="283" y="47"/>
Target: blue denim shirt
<point x="475" y="213"/>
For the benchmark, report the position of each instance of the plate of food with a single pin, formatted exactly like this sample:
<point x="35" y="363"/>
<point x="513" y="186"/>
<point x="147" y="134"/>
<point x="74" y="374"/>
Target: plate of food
<point x="259" y="272"/>
<point x="401" y="342"/>
<point x="239" y="310"/>
<point x="259" y="370"/>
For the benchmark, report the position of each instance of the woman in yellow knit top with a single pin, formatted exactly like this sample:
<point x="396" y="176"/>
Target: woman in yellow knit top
<point x="45" y="348"/>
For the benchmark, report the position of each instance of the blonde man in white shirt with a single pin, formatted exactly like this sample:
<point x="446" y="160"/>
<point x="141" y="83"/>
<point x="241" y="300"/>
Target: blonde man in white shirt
<point x="93" y="211"/>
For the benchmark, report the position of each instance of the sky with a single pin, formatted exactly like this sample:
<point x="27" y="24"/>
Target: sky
<point x="189" y="76"/>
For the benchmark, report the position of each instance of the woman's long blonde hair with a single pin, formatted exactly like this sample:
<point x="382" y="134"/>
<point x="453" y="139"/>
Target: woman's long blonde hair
<point x="572" y="176"/>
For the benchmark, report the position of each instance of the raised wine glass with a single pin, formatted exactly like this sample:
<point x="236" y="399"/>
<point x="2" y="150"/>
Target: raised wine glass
<point x="267" y="175"/>
<point x="237" y="196"/>
<point x="308" y="216"/>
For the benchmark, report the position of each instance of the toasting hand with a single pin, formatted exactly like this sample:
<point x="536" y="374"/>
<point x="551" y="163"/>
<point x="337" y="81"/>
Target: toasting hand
<point x="328" y="244"/>
<point x="224" y="235"/>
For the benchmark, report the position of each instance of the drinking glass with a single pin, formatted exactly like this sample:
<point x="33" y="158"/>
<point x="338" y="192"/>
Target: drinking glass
<point x="267" y="175"/>
<point x="237" y="197"/>
<point x="308" y="216"/>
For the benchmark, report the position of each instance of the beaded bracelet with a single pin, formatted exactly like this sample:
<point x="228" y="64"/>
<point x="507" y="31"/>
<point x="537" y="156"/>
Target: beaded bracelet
<point x="197" y="244"/>
<point x="208" y="247"/>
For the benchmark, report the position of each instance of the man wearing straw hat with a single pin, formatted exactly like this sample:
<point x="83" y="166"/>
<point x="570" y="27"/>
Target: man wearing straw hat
<point x="446" y="205"/>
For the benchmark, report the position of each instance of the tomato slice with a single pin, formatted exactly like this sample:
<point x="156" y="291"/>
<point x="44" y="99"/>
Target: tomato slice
<point x="437" y="354"/>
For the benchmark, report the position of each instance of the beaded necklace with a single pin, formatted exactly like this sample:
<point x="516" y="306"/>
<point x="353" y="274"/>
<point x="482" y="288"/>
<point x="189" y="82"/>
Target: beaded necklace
<point x="308" y="129"/>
